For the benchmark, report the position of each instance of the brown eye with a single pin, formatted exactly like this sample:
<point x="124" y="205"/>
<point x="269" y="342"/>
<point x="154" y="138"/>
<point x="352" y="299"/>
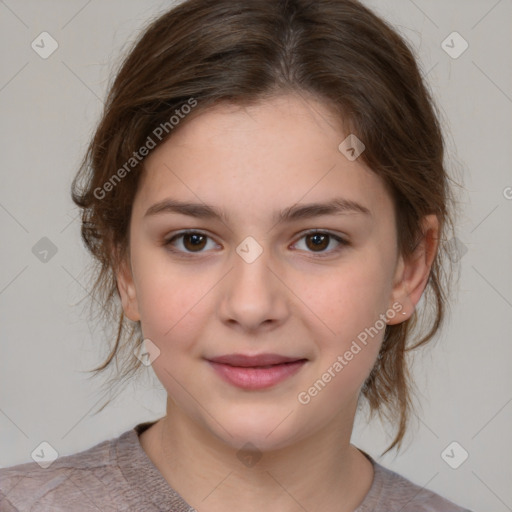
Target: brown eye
<point x="191" y="241"/>
<point x="194" y="242"/>
<point x="319" y="241"/>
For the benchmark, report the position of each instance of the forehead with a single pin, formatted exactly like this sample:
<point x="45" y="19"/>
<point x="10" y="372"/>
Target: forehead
<point x="290" y="118"/>
<point x="277" y="152"/>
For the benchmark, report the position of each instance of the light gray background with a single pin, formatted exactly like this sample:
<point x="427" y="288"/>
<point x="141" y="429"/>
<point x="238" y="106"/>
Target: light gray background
<point x="49" y="108"/>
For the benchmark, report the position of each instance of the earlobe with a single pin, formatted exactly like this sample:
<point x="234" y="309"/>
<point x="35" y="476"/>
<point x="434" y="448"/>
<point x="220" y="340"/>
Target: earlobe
<point x="412" y="275"/>
<point x="127" y="291"/>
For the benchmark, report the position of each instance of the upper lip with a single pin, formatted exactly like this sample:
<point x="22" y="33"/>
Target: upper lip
<point x="256" y="360"/>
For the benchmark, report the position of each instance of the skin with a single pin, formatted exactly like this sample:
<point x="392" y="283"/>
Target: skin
<point x="252" y="162"/>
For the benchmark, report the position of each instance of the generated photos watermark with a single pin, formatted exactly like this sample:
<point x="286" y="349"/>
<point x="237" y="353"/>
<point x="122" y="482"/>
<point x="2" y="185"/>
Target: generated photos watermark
<point x="157" y="135"/>
<point x="304" y="397"/>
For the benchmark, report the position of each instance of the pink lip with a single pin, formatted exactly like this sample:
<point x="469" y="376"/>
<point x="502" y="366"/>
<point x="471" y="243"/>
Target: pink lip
<point x="255" y="372"/>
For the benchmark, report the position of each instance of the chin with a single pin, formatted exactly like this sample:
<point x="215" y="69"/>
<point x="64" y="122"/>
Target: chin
<point x="266" y="431"/>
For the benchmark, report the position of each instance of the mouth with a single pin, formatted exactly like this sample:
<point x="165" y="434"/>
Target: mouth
<point x="256" y="372"/>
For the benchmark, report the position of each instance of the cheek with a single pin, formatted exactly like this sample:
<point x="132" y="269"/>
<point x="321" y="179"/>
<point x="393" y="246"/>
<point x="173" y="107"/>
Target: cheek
<point x="350" y="307"/>
<point x="349" y="298"/>
<point x="347" y="326"/>
<point x="169" y="295"/>
<point x="171" y="305"/>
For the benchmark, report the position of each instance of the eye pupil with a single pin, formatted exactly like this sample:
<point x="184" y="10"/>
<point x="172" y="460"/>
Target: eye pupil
<point x="320" y="240"/>
<point x="196" y="240"/>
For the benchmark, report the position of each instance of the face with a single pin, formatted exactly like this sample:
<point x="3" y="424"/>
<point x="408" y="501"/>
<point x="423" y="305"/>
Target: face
<point x="313" y="288"/>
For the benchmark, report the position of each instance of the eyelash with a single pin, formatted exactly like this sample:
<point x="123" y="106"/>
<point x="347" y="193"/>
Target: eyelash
<point x="343" y="243"/>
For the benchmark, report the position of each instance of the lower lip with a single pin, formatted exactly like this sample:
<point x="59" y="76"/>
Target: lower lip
<point x="256" y="378"/>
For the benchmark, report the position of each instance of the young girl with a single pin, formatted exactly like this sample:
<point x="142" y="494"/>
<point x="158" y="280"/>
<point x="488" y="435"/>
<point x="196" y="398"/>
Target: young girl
<point x="266" y="199"/>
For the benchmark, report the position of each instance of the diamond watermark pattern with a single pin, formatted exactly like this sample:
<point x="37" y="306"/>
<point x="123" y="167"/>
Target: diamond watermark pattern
<point x="351" y="147"/>
<point x="454" y="45"/>
<point x="44" y="250"/>
<point x="456" y="249"/>
<point x="454" y="455"/>
<point x="44" y="454"/>
<point x="249" y="249"/>
<point x="44" y="45"/>
<point x="249" y="455"/>
<point x="146" y="352"/>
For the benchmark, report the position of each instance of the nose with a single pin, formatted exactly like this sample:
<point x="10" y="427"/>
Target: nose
<point x="253" y="294"/>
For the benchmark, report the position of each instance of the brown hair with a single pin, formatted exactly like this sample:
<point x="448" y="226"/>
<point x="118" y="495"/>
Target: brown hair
<point x="211" y="51"/>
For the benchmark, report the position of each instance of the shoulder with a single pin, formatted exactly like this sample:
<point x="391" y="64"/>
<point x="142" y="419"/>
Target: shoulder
<point x="391" y="491"/>
<point x="85" y="477"/>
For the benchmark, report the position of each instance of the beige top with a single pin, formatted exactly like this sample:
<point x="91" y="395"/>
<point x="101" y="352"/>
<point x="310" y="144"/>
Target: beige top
<point x="117" y="475"/>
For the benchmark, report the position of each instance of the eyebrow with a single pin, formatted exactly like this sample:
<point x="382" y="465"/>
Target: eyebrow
<point x="336" y="206"/>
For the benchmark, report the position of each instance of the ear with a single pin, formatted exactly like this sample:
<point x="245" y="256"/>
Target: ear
<point x="411" y="275"/>
<point x="127" y="291"/>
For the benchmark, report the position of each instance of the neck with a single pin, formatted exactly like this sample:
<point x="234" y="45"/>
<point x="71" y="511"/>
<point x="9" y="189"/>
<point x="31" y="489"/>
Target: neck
<point x="321" y="472"/>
